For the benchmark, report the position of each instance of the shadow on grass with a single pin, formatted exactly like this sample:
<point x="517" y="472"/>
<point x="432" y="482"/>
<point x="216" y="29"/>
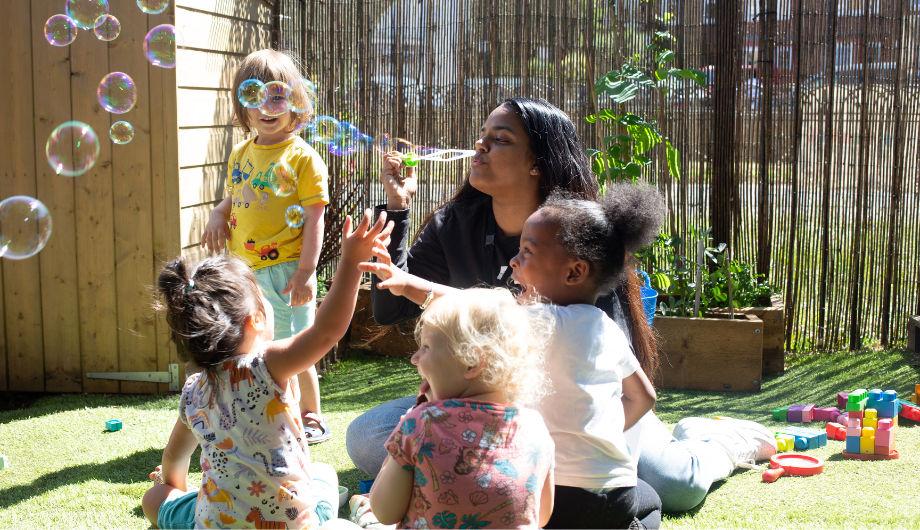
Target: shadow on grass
<point x="363" y="380"/>
<point x="45" y="404"/>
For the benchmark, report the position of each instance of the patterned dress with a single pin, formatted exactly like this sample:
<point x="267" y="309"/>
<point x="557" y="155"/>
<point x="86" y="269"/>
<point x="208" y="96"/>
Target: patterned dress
<point x="253" y="457"/>
<point x="476" y="464"/>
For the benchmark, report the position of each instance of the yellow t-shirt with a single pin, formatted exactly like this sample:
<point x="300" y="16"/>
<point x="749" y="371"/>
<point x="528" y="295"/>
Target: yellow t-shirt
<point x="258" y="231"/>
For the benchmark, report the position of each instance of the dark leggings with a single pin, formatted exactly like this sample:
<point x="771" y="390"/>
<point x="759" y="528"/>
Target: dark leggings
<point x="578" y="508"/>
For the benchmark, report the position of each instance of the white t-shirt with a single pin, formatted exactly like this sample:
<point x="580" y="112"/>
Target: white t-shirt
<point x="587" y="361"/>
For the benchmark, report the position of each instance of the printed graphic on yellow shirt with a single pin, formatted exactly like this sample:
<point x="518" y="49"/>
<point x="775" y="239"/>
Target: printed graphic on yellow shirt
<point x="259" y="232"/>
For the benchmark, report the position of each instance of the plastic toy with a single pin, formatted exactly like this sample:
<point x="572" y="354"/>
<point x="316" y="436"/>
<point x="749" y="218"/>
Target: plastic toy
<point x="113" y="425"/>
<point x="4" y="462"/>
<point x="885" y="403"/>
<point x="806" y="438"/>
<point x="842" y="400"/>
<point x="909" y="410"/>
<point x="365" y="486"/>
<point x="785" y="442"/>
<point x="826" y="413"/>
<point x="801" y="465"/>
<point x="780" y="414"/>
<point x="856" y="400"/>
<point x="835" y="431"/>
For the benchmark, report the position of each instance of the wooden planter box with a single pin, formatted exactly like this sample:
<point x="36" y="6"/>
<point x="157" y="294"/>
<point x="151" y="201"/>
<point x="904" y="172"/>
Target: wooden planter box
<point x="710" y="353"/>
<point x="774" y="332"/>
<point x="364" y="332"/>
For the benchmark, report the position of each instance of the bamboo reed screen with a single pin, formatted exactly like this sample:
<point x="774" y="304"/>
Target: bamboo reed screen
<point x="802" y="155"/>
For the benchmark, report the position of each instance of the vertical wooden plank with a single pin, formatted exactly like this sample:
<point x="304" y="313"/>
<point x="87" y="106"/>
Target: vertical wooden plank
<point x="22" y="279"/>
<point x="164" y="168"/>
<point x="132" y="213"/>
<point x="94" y="219"/>
<point x="60" y="310"/>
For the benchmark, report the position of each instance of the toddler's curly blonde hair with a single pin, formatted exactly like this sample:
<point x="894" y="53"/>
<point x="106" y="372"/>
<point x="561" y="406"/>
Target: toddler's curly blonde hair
<point x="481" y="323"/>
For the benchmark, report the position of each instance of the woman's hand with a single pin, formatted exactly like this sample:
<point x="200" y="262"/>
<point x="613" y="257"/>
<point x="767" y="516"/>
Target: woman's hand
<point x="399" y="188"/>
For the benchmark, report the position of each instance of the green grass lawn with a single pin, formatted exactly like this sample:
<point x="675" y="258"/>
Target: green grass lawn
<point x="67" y="471"/>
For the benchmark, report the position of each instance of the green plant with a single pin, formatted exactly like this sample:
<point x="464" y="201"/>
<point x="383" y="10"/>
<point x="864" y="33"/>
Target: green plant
<point x="626" y="150"/>
<point x="675" y="275"/>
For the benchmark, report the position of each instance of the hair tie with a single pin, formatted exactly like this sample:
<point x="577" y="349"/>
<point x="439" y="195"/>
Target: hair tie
<point x="190" y="286"/>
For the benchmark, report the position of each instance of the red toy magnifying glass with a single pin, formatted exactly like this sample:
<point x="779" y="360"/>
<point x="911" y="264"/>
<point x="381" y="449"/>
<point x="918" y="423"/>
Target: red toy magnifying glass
<point x="792" y="464"/>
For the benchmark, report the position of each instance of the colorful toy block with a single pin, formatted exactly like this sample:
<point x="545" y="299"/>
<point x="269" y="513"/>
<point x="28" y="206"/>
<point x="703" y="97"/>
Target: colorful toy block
<point x="780" y="414"/>
<point x="909" y="410"/>
<point x="884" y="402"/>
<point x="855" y="414"/>
<point x="785" y="442"/>
<point x="835" y="431"/>
<point x="884" y="424"/>
<point x="842" y="418"/>
<point x="868" y="432"/>
<point x="806" y="438"/>
<point x="854" y="423"/>
<point x="808" y="413"/>
<point x="852" y="444"/>
<point x="885" y="438"/>
<point x="853" y="431"/>
<point x="826" y="414"/>
<point x="113" y="425"/>
<point x="867" y="445"/>
<point x="365" y="485"/>
<point x="4" y="462"/>
<point x="794" y="413"/>
<point x="870" y="422"/>
<point x="856" y="400"/>
<point x="842" y="400"/>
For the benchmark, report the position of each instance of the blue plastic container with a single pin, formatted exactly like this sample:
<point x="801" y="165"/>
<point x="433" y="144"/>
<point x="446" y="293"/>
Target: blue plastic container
<point x="649" y="297"/>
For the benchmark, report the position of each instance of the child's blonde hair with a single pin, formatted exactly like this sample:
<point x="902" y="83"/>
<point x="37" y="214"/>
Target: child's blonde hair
<point x="481" y="323"/>
<point x="268" y="66"/>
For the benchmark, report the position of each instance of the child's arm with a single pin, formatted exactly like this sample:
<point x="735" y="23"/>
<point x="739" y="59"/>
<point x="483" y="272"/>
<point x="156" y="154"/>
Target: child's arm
<point x="289" y="357"/>
<point x="547" y="498"/>
<point x="391" y="492"/>
<point x="301" y="288"/>
<point x="638" y="397"/>
<point x="398" y="281"/>
<point x="217" y="231"/>
<point x="177" y="455"/>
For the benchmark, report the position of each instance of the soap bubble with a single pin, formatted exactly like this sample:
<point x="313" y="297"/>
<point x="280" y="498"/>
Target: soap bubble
<point x="303" y="95"/>
<point x="282" y="179"/>
<point x="116" y="93"/>
<point x="278" y="98"/>
<point x="60" y="30"/>
<point x="25" y="226"/>
<point x="107" y="27"/>
<point x="309" y="133"/>
<point x="121" y="132"/>
<point x="85" y="12"/>
<point x="351" y="142"/>
<point x="153" y="7"/>
<point x="385" y="144"/>
<point x="252" y="94"/>
<point x="293" y="216"/>
<point x="327" y="130"/>
<point x="72" y="148"/>
<point x="160" y="45"/>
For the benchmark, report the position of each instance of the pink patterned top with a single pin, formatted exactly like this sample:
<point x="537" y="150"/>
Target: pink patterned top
<point x="476" y="464"/>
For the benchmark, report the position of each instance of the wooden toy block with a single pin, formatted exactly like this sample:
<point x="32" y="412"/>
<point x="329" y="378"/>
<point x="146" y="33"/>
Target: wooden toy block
<point x="868" y="432"/>
<point x="4" y="462"/>
<point x="808" y="413"/>
<point x="857" y="400"/>
<point x="842" y="399"/>
<point x="870" y="422"/>
<point x="854" y="431"/>
<point x="884" y="438"/>
<point x="826" y="414"/>
<point x="852" y="444"/>
<point x="835" y="431"/>
<point x="784" y="443"/>
<point x="867" y="445"/>
<point x="806" y="438"/>
<point x="113" y="425"/>
<point x="779" y="414"/>
<point x="854" y="423"/>
<point x="884" y="424"/>
<point x="794" y="414"/>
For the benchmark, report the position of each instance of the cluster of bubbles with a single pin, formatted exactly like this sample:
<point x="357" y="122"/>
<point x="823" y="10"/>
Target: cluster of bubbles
<point x="25" y="226"/>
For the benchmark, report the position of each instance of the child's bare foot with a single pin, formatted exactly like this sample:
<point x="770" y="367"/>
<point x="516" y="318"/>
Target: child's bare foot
<point x="157" y="475"/>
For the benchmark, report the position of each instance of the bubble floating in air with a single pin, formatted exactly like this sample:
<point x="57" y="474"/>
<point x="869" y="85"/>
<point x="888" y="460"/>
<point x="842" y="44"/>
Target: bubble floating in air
<point x="326" y="129"/>
<point x="60" y="30"/>
<point x="25" y="226"/>
<point x="283" y="179"/>
<point x="153" y="7"/>
<point x="72" y="148"/>
<point x="277" y="99"/>
<point x="85" y="12"/>
<point x="293" y="216"/>
<point x="107" y="28"/>
<point x="116" y="93"/>
<point x="121" y="132"/>
<point x="303" y="95"/>
<point x="160" y="45"/>
<point x="252" y="93"/>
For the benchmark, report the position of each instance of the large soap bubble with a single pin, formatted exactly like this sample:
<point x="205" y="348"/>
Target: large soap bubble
<point x="25" y="226"/>
<point x="153" y="7"/>
<point x="277" y="100"/>
<point x="107" y="28"/>
<point x="121" y="132"/>
<point x="252" y="94"/>
<point x="85" y="12"/>
<point x="303" y="96"/>
<point x="72" y="148"/>
<point x="326" y="130"/>
<point x="160" y="45"/>
<point x="282" y="179"/>
<point x="116" y="93"/>
<point x="60" y="30"/>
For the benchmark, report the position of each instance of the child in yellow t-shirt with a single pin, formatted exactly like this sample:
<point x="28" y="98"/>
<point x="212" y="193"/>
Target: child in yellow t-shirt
<point x="252" y="216"/>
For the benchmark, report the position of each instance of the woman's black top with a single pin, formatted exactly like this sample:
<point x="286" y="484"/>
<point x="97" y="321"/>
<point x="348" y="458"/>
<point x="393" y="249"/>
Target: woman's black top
<point x="452" y="250"/>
